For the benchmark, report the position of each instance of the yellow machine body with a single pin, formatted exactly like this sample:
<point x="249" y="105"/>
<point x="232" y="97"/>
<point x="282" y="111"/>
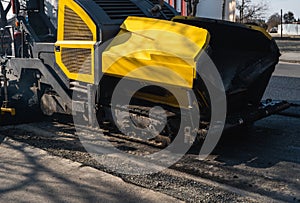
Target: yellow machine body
<point x="12" y="111"/>
<point x="155" y="50"/>
<point x="145" y="49"/>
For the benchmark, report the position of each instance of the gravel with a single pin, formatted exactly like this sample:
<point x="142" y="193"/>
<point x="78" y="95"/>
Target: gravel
<point x="66" y="145"/>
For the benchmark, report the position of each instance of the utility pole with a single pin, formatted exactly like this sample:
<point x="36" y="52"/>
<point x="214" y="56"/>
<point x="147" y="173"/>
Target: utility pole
<point x="281" y="20"/>
<point x="242" y="11"/>
<point x="223" y="9"/>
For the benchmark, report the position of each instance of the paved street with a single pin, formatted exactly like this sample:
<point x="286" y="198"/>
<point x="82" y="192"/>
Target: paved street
<point x="285" y="83"/>
<point x="288" y="69"/>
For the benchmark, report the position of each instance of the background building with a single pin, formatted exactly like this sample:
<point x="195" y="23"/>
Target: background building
<point x="289" y="29"/>
<point x="217" y="9"/>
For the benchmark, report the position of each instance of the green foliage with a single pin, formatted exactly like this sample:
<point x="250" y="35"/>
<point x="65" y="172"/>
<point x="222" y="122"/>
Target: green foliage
<point x="289" y="17"/>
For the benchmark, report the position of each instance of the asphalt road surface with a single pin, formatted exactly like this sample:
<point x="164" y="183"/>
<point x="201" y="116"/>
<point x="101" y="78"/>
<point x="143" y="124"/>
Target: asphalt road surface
<point x="285" y="83"/>
<point x="287" y="45"/>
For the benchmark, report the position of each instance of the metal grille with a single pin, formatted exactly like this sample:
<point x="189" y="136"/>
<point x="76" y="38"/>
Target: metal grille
<point x="77" y="60"/>
<point x="75" y="28"/>
<point x="119" y="9"/>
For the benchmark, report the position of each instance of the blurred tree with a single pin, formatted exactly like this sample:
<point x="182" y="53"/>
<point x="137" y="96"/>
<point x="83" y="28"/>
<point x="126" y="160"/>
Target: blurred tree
<point x="289" y="17"/>
<point x="262" y="23"/>
<point x="274" y="20"/>
<point x="192" y="7"/>
<point x="258" y="22"/>
<point x="250" y="11"/>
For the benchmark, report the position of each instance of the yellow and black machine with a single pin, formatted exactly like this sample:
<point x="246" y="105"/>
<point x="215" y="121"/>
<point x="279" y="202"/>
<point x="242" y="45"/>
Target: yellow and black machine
<point x="74" y="63"/>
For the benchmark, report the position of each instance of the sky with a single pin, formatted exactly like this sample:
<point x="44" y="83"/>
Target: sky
<point x="285" y="5"/>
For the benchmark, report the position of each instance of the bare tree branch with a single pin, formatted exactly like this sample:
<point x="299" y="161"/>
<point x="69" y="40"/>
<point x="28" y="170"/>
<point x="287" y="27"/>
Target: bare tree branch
<point x="250" y="11"/>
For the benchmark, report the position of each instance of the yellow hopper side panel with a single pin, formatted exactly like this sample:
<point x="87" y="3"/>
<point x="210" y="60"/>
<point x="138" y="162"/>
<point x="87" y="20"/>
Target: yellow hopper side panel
<point x="155" y="50"/>
<point x="76" y="37"/>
